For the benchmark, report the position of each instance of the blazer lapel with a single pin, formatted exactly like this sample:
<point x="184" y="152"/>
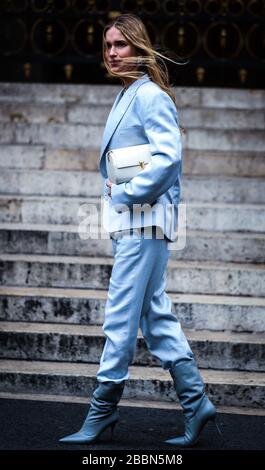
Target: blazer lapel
<point x="117" y="112"/>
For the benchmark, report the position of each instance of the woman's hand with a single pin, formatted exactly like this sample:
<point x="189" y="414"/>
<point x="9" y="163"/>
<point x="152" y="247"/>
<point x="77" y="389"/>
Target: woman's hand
<point x="109" y="184"/>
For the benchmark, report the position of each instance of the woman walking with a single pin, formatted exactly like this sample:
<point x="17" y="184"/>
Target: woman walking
<point x="144" y="112"/>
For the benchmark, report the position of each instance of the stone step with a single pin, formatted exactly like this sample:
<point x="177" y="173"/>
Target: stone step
<point x="201" y="162"/>
<point x="230" y="163"/>
<point x="105" y="94"/>
<point x="70" y="135"/>
<point x="189" y="277"/>
<point x="190" y="117"/>
<point x="53" y="135"/>
<point x="82" y="343"/>
<point x="89" y="184"/>
<point x="63" y="93"/>
<point x="87" y="307"/>
<point x="229" y="388"/>
<point x="62" y="210"/>
<point x="41" y="157"/>
<point x="135" y="403"/>
<point x="65" y="240"/>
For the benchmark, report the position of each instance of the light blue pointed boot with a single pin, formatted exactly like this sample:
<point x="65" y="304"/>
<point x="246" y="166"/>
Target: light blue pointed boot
<point x="197" y="407"/>
<point x="103" y="413"/>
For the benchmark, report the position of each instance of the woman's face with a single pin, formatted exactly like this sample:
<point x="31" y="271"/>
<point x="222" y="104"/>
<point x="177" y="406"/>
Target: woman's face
<point x="117" y="48"/>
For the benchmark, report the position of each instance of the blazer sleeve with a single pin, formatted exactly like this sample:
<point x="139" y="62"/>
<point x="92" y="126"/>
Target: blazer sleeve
<point x="159" y="118"/>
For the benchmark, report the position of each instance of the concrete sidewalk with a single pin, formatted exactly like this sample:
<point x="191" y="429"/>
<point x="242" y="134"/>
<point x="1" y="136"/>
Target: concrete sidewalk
<point x="37" y="425"/>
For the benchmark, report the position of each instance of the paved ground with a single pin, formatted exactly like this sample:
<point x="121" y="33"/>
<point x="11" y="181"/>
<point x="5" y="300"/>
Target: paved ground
<point x="37" y="425"/>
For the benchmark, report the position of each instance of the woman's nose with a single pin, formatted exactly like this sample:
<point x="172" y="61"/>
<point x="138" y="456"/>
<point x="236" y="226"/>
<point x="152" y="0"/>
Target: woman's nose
<point x="112" y="51"/>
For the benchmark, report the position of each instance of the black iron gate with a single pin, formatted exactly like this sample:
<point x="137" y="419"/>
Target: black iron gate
<point x="60" y="40"/>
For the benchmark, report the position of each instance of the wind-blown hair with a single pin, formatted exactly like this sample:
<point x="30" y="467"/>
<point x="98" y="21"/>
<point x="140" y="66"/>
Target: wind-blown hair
<point x="148" y="60"/>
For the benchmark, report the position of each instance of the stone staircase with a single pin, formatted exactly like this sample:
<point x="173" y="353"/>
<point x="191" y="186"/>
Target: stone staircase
<point x="54" y="284"/>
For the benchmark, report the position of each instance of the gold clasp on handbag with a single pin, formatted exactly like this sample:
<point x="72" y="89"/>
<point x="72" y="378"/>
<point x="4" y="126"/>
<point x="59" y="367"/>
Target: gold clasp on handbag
<point x="141" y="164"/>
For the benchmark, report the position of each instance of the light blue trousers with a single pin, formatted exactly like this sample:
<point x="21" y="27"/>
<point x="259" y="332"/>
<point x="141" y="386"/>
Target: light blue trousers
<point x="137" y="298"/>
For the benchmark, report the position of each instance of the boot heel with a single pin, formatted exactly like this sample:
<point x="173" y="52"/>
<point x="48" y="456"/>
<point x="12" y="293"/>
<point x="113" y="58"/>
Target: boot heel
<point x="112" y="430"/>
<point x="214" y="419"/>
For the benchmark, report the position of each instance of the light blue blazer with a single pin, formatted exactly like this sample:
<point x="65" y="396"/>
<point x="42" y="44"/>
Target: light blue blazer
<point x="144" y="114"/>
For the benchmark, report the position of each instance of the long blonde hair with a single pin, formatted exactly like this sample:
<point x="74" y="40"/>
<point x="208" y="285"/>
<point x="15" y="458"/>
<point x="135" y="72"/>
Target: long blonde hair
<point x="146" y="60"/>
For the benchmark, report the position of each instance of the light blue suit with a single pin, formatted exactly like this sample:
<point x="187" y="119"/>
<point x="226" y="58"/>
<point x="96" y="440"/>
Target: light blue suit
<point x="136" y="296"/>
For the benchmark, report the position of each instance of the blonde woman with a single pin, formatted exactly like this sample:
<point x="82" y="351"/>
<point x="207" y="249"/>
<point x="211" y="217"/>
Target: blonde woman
<point x="144" y="112"/>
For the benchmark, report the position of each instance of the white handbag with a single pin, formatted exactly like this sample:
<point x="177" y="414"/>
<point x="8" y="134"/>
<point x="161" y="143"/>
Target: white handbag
<point x="124" y="163"/>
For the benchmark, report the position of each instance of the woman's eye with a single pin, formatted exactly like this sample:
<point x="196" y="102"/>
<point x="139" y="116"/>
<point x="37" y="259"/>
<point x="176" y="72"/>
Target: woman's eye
<point x="118" y="44"/>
